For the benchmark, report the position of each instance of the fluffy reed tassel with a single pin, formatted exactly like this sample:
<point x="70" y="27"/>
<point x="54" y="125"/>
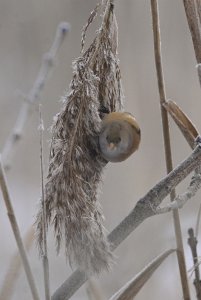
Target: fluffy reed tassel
<point x="76" y="164"/>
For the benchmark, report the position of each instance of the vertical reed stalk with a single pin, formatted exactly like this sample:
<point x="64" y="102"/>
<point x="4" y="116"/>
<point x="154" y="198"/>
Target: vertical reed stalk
<point x="16" y="232"/>
<point x="166" y="137"/>
<point x="45" y="252"/>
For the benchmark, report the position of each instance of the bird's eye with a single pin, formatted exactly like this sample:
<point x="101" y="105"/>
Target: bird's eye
<point x="113" y="139"/>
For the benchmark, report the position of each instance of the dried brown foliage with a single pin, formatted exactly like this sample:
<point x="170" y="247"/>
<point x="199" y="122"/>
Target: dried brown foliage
<point x="76" y="165"/>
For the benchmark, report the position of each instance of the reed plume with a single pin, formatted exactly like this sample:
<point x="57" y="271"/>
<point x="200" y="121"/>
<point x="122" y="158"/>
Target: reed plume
<point x="76" y="164"/>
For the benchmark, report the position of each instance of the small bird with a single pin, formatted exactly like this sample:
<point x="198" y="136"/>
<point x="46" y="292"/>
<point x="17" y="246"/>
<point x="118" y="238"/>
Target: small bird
<point x="119" y="136"/>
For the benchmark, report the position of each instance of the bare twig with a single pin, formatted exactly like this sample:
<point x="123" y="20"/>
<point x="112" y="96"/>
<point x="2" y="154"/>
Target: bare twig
<point x="45" y="252"/>
<point x="16" y="232"/>
<point x="181" y="200"/>
<point x="145" y="207"/>
<point x="192" y="241"/>
<point x="33" y="95"/>
<point x="166" y="137"/>
<point x="12" y="275"/>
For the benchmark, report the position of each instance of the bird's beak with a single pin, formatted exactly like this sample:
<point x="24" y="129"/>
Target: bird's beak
<point x="111" y="146"/>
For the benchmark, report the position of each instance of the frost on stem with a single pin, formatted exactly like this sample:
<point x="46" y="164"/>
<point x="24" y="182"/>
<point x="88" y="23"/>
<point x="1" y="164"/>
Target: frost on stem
<point x="76" y="166"/>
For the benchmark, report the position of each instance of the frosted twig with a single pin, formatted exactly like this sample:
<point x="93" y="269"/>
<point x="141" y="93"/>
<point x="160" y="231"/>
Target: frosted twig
<point x="181" y="200"/>
<point x="45" y="252"/>
<point x="142" y="211"/>
<point x="16" y="232"/>
<point x="33" y="95"/>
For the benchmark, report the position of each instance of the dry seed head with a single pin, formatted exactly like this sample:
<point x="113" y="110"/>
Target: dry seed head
<point x="76" y="166"/>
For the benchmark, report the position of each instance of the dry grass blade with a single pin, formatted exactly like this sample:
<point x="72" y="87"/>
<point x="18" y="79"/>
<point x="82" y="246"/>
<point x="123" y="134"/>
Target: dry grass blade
<point x="76" y="165"/>
<point x="16" y="232"/>
<point x="183" y="122"/>
<point x="131" y="288"/>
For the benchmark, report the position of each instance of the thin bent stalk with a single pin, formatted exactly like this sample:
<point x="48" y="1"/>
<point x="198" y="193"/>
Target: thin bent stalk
<point x="166" y="137"/>
<point x="45" y="251"/>
<point x="16" y="232"/>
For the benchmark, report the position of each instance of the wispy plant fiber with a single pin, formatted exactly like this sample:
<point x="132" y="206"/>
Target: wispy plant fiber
<point x="76" y="165"/>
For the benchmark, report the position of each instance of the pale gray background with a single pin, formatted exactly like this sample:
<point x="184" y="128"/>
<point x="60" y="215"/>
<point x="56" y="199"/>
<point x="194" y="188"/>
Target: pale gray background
<point x="27" y="29"/>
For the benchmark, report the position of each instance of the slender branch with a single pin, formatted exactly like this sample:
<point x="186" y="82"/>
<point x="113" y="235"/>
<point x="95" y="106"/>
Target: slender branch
<point x="181" y="200"/>
<point x="145" y="208"/>
<point x="16" y="232"/>
<point x="45" y="252"/>
<point x="33" y="95"/>
<point x="166" y="138"/>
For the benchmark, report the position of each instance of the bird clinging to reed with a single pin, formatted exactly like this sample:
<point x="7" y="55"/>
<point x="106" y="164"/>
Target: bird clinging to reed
<point x="77" y="158"/>
<point x="119" y="136"/>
